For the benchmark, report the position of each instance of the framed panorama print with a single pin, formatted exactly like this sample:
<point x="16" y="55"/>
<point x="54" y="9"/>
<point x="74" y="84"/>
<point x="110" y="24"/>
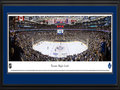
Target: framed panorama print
<point x="60" y="44"/>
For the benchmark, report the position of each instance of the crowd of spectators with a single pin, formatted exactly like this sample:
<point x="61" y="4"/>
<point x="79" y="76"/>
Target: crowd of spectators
<point x="99" y="45"/>
<point x="21" y="42"/>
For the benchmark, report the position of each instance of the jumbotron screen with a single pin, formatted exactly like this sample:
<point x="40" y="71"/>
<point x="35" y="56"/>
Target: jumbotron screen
<point x="60" y="43"/>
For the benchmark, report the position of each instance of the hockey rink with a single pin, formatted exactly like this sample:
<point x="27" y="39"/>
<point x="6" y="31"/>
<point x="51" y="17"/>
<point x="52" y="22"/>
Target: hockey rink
<point x="60" y="49"/>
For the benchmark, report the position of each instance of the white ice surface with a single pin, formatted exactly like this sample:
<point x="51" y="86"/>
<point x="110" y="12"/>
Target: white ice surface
<point x="60" y="49"/>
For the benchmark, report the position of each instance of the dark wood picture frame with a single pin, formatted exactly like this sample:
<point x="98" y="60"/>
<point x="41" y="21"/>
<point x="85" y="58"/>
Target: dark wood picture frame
<point x="61" y="3"/>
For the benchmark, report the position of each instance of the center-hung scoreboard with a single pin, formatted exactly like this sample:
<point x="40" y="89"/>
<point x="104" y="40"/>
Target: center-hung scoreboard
<point x="60" y="29"/>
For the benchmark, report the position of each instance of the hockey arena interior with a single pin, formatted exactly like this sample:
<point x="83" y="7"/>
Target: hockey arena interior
<point x="60" y="38"/>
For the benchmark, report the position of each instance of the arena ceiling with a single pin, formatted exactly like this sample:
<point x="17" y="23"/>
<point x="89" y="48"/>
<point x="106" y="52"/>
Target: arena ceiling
<point x="78" y="19"/>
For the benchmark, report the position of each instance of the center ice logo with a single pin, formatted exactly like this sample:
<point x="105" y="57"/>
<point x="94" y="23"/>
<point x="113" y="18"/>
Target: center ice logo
<point x="60" y="48"/>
